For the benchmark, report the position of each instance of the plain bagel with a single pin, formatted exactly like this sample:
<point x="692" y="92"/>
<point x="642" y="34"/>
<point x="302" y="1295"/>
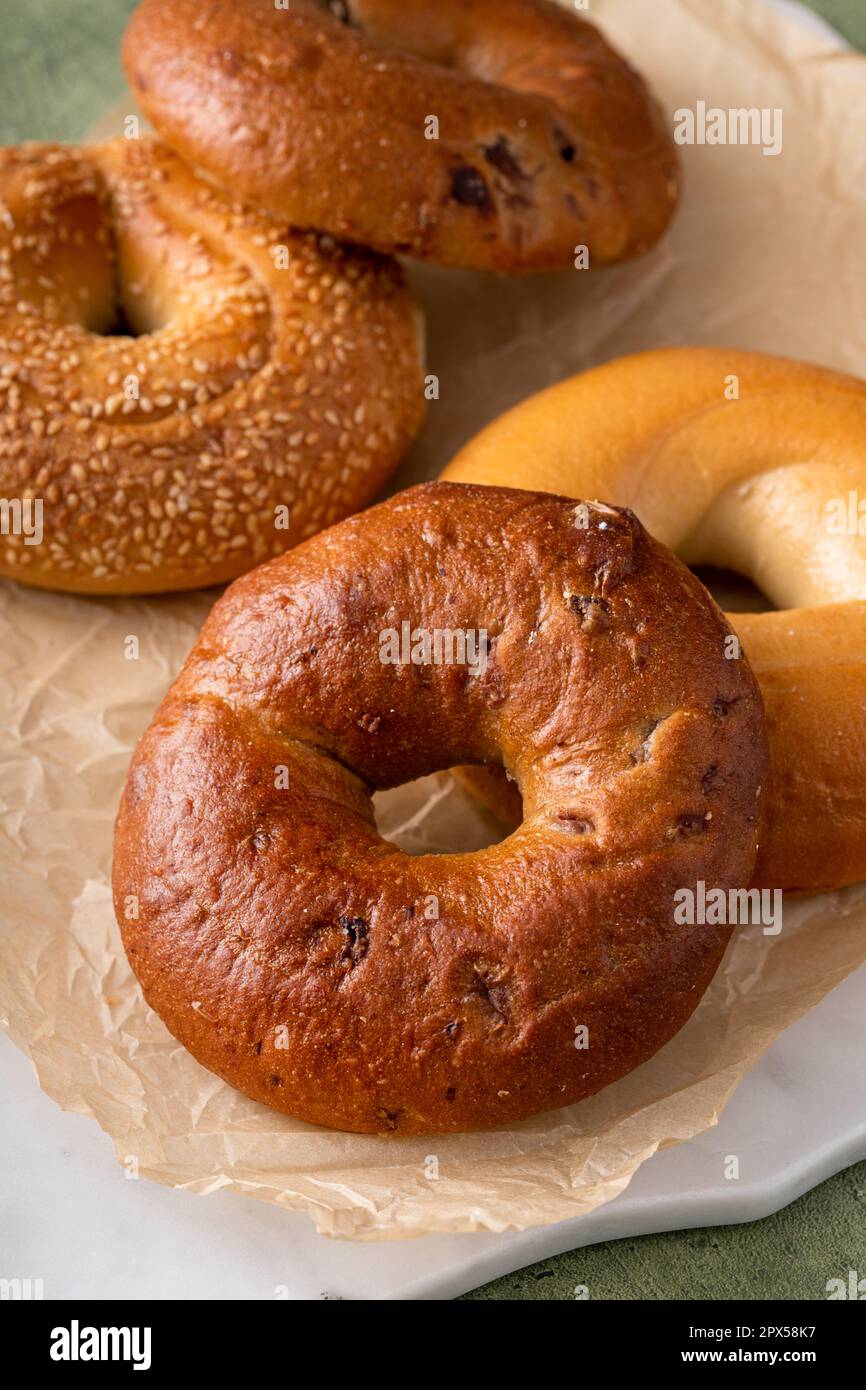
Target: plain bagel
<point x="295" y="952"/>
<point x="749" y="463"/>
<point x="187" y="387"/>
<point x="546" y="139"/>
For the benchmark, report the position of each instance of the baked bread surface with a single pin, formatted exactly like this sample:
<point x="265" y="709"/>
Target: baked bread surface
<point x="187" y="386"/>
<point x="327" y="974"/>
<point x="749" y="463"/>
<point x="545" y="139"/>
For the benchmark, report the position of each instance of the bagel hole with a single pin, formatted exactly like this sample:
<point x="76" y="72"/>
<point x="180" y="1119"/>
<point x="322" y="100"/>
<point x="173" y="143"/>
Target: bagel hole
<point x="733" y="592"/>
<point x="125" y="311"/>
<point x="436" y="815"/>
<point x="120" y="325"/>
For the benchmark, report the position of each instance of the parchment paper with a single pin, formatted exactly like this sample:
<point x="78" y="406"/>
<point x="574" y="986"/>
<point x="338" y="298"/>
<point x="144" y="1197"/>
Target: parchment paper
<point x="766" y="253"/>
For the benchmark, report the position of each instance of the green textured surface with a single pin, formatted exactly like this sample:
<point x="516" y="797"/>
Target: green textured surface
<point x="790" y="1255"/>
<point x="59" y="70"/>
<point x="848" y="16"/>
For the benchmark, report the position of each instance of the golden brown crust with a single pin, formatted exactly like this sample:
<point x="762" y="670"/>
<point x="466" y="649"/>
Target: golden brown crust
<point x="741" y="482"/>
<point x="547" y="139"/>
<point x="299" y="956"/>
<point x="275" y="384"/>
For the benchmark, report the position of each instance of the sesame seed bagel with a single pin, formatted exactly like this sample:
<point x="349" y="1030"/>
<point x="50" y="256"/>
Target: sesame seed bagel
<point x="322" y="971"/>
<point x="770" y="482"/>
<point x="491" y="134"/>
<point x="187" y="387"/>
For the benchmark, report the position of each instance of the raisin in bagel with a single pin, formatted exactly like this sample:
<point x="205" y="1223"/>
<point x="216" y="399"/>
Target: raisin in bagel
<point x="547" y="139"/>
<point x="274" y="385"/>
<point x="292" y="949"/>
<point x="773" y="485"/>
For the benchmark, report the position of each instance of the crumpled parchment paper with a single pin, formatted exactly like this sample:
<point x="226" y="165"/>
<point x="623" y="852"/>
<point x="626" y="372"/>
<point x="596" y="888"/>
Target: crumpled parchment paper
<point x="766" y="254"/>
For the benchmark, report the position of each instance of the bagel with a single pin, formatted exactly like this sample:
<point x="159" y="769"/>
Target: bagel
<point x="546" y="141"/>
<point x="750" y="484"/>
<point x="320" y="970"/>
<point x="274" y="385"/>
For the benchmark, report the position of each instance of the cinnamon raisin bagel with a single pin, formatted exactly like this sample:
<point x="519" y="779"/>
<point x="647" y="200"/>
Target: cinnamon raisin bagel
<point x="491" y="134"/>
<point x="320" y="970"/>
<point x="186" y="386"/>
<point x="748" y="463"/>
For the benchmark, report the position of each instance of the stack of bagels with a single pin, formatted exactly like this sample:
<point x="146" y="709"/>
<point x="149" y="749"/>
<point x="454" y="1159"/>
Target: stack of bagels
<point x="210" y="362"/>
<point x="207" y="353"/>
